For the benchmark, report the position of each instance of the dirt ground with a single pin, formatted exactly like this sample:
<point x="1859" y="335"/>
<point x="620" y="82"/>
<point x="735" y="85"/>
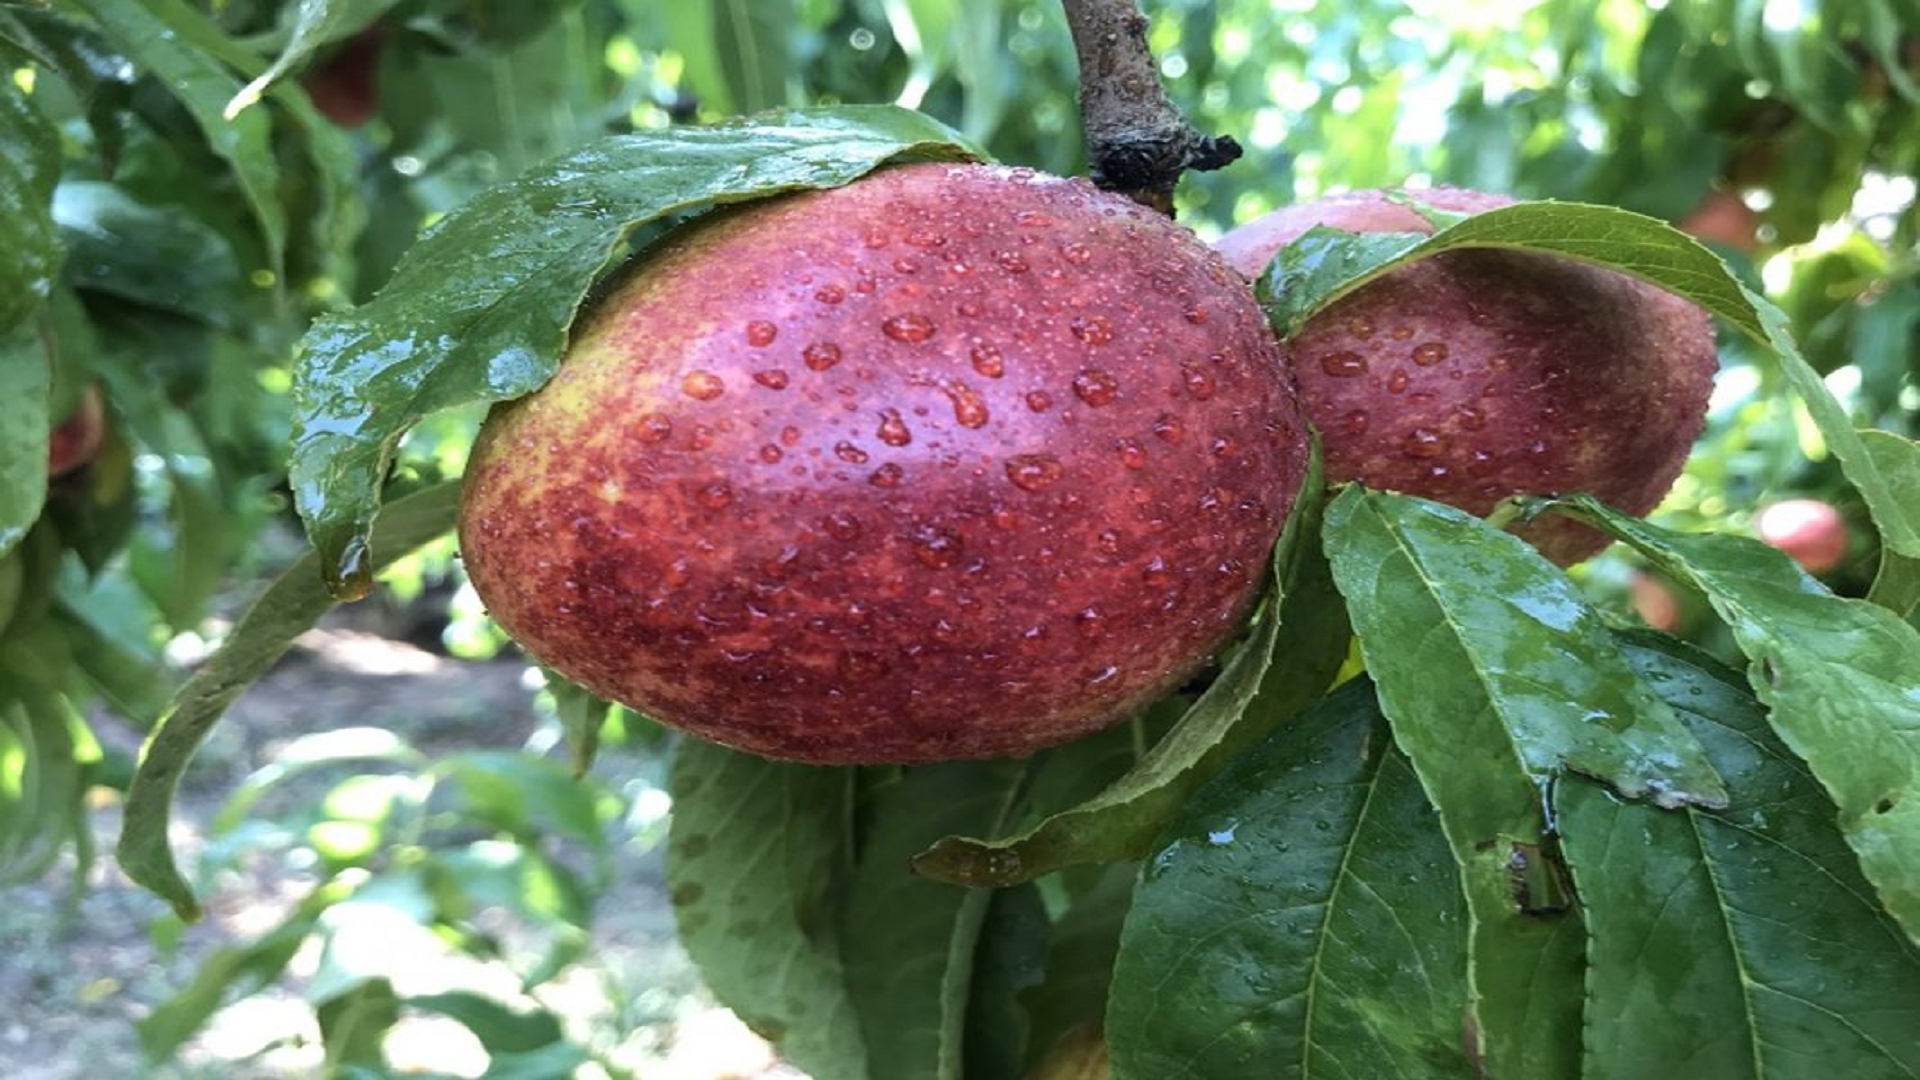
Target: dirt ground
<point x="70" y="994"/>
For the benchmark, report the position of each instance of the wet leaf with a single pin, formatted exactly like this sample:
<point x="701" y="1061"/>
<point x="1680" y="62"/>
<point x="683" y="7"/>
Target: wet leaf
<point x="1840" y="678"/>
<point x="755" y="856"/>
<point x="285" y="610"/>
<point x="29" y="167"/>
<point x="1737" y="943"/>
<point x="1326" y="264"/>
<point x="908" y="943"/>
<point x="1301" y="917"/>
<point x="165" y="37"/>
<point x="157" y="257"/>
<point x="478" y="309"/>
<point x="1285" y="664"/>
<point x="1497" y="678"/>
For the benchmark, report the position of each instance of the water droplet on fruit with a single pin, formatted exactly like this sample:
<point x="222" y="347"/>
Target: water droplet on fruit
<point x="1168" y="428"/>
<point x="893" y="429"/>
<point x="1198" y="382"/>
<point x="1195" y="314"/>
<point x="677" y="573"/>
<point x="702" y="385"/>
<point x="1470" y="418"/>
<point x="972" y="309"/>
<point x="1429" y="353"/>
<point x="937" y="548"/>
<point x="968" y="409"/>
<point x="1360" y="327"/>
<point x="1224" y="445"/>
<point x="790" y="435"/>
<point x="1398" y="381"/>
<point x="904" y="265"/>
<point x="771" y="454"/>
<point x="886" y="476"/>
<point x="1424" y="443"/>
<point x="1108" y="541"/>
<point x="1355" y="422"/>
<point x="1344" y="365"/>
<point x="830" y="294"/>
<point x="821" y="355"/>
<point x="1155" y="573"/>
<point x="716" y="496"/>
<point x="877" y="239"/>
<point x="761" y="333"/>
<point x="1034" y="472"/>
<point x="850" y="453"/>
<point x="1132" y="454"/>
<point x="1092" y="329"/>
<point x="655" y="428"/>
<point x="1096" y="387"/>
<point x="1039" y="401"/>
<point x="909" y="328"/>
<point x="988" y="361"/>
<point x="842" y="526"/>
<point x="1011" y="262"/>
<point x="1089" y="622"/>
<point x="773" y="379"/>
<point x="1077" y="254"/>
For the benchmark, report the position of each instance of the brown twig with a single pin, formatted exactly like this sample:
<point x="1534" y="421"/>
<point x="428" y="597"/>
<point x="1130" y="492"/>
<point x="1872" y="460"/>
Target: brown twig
<point x="1138" y="143"/>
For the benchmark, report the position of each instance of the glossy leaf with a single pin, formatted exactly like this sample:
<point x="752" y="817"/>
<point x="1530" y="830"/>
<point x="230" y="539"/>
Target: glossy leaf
<point x="150" y="255"/>
<point x="1011" y="958"/>
<point x="1740" y="943"/>
<point x="478" y="309"/>
<point x="1079" y="965"/>
<point x="1288" y="659"/>
<point x="1840" y="678"/>
<point x="1302" y="917"/>
<point x="25" y="382"/>
<point x="161" y="38"/>
<point x="1897" y="586"/>
<point x="908" y="943"/>
<point x="29" y="167"/>
<point x="756" y="852"/>
<point x="1325" y="265"/>
<point x="289" y="607"/>
<point x="1498" y="678"/>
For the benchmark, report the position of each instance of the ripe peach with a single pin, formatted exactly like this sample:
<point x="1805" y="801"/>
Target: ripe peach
<point x="76" y="440"/>
<point x="950" y="462"/>
<point x="1478" y="374"/>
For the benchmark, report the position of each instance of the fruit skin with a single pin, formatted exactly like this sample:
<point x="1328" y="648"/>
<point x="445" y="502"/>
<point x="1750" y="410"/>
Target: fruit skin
<point x="345" y="87"/>
<point x="1810" y="531"/>
<point x="76" y="440"/>
<point x="951" y="462"/>
<point x="1478" y="374"/>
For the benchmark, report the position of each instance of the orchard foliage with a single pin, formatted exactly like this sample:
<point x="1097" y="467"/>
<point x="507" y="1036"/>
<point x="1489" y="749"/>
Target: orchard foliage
<point x="1440" y="811"/>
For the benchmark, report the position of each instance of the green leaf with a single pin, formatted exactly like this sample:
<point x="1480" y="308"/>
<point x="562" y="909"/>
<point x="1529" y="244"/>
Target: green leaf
<point x="161" y="36"/>
<point x="1740" y="943"/>
<point x="581" y="716"/>
<point x="29" y="167"/>
<point x="1897" y="586"/>
<point x="316" y="23"/>
<point x="153" y="256"/>
<point x="750" y="39"/>
<point x="354" y="1025"/>
<point x="1288" y="659"/>
<point x="530" y="797"/>
<point x="478" y="309"/>
<point x="1840" y="677"/>
<point x="1079" y="964"/>
<point x="688" y="28"/>
<point x="288" y="608"/>
<point x="908" y="943"/>
<point x="755" y="853"/>
<point x="1497" y="677"/>
<point x="1010" y="959"/>
<point x="1302" y="917"/>
<point x="499" y="1028"/>
<point x="25" y="382"/>
<point x="1325" y="265"/>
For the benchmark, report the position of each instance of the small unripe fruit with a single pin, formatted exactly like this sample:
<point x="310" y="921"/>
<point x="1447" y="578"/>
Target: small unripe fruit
<point x="76" y="440"/>
<point x="345" y="87"/>
<point x="1810" y="531"/>
<point x="1478" y="374"/>
<point x="950" y="462"/>
<point x="1654" y="601"/>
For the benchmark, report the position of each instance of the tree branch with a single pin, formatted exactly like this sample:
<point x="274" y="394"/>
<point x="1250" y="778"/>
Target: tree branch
<point x="1138" y="143"/>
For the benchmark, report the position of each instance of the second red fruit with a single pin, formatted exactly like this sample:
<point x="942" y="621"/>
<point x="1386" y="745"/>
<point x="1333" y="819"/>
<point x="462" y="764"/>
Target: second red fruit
<point x="1478" y="374"/>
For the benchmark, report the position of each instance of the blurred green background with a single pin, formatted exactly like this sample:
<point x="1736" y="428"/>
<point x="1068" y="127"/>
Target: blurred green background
<point x="1785" y="133"/>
